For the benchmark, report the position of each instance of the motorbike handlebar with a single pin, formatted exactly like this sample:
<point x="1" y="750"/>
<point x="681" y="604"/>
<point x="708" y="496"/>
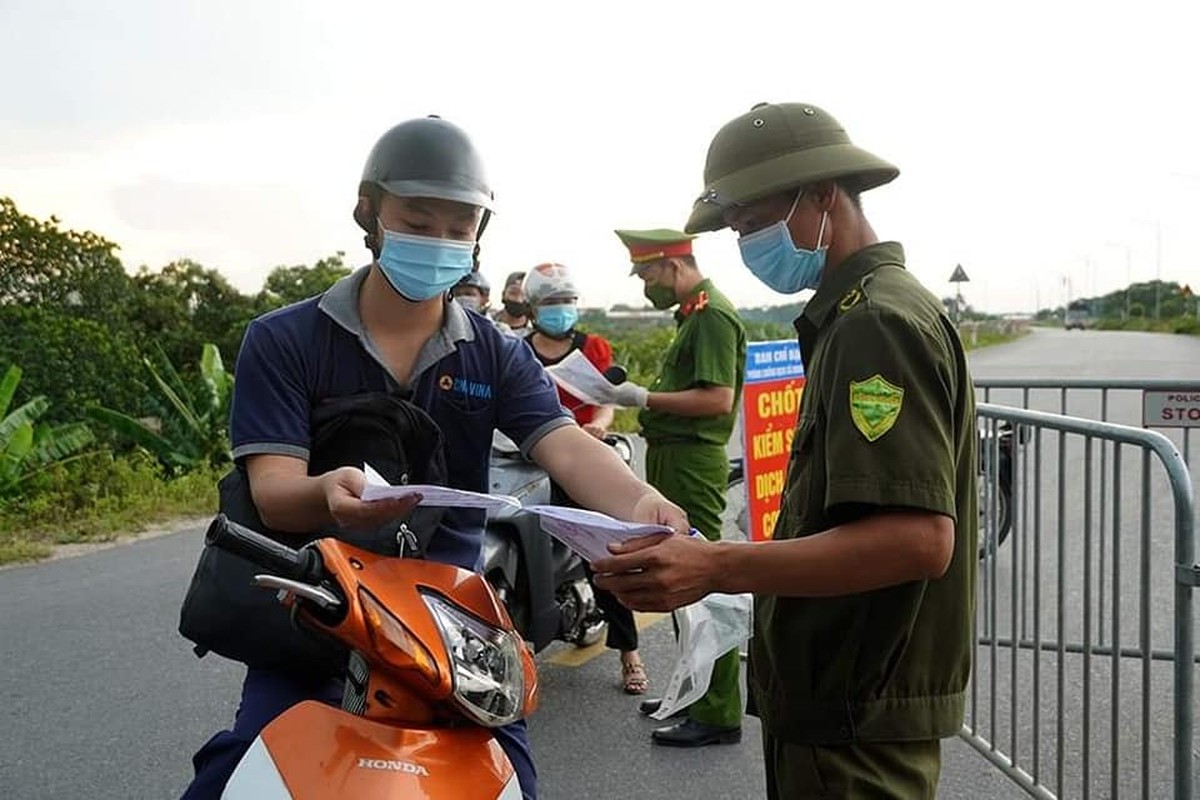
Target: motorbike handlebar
<point x="274" y="557"/>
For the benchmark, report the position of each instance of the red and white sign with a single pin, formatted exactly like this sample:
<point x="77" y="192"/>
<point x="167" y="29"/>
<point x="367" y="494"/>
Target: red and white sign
<point x="770" y="405"/>
<point x="1171" y="408"/>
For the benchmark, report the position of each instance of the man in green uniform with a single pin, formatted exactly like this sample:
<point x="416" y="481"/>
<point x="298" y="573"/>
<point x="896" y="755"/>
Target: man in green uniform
<point x="687" y="417"/>
<point x="865" y="596"/>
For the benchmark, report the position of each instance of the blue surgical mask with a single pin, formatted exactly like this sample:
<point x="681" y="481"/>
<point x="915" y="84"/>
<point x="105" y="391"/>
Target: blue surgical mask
<point x="557" y="320"/>
<point x="775" y="260"/>
<point x="422" y="267"/>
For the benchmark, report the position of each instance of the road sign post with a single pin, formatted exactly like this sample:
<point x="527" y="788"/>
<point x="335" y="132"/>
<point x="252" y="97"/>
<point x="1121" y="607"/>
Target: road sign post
<point x="958" y="277"/>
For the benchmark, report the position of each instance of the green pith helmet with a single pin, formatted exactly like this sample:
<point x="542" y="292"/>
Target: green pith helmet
<point x="779" y="146"/>
<point x="424" y="157"/>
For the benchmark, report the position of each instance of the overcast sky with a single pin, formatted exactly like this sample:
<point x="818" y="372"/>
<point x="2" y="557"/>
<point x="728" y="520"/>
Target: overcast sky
<point x="1036" y="140"/>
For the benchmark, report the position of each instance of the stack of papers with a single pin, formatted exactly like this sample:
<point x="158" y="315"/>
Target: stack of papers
<point x="588" y="533"/>
<point x="439" y="496"/>
<point x="578" y="376"/>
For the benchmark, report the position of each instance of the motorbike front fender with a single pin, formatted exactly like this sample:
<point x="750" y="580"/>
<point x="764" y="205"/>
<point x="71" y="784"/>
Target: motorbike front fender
<point x="316" y="751"/>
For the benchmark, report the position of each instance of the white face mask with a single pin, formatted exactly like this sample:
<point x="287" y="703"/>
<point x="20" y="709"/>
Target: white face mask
<point x="467" y="301"/>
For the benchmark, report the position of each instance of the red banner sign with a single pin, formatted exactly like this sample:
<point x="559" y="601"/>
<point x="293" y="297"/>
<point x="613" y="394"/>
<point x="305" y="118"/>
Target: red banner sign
<point x="770" y="404"/>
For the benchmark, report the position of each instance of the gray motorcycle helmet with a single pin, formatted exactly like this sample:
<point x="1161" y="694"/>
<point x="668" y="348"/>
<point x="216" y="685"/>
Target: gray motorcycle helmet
<point x="476" y="280"/>
<point x="424" y="157"/>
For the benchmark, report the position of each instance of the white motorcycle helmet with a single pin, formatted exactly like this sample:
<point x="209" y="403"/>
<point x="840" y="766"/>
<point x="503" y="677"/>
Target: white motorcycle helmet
<point x="549" y="282"/>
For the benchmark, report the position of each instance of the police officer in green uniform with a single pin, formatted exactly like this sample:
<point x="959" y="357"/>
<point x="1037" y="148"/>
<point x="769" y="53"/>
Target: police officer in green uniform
<point x="865" y="597"/>
<point x="687" y="417"/>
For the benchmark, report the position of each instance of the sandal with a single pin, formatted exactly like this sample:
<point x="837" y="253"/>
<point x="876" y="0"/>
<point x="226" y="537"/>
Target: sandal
<point x="634" y="679"/>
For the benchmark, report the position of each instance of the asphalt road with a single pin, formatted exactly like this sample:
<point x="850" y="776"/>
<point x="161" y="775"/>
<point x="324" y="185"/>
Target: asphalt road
<point x="102" y="699"/>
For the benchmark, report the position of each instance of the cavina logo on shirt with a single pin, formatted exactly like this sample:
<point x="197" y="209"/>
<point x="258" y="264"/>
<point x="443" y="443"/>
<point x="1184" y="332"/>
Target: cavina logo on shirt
<point x="465" y="387"/>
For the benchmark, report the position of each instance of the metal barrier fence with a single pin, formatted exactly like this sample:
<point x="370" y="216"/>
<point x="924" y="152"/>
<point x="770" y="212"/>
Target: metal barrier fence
<point x="1063" y="629"/>
<point x="1120" y="401"/>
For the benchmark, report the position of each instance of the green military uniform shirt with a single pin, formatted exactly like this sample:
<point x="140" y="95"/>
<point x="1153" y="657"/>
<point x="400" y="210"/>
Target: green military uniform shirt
<point x="709" y="349"/>
<point x="887" y="420"/>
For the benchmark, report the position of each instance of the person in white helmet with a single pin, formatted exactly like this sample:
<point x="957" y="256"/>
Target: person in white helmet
<point x="553" y="302"/>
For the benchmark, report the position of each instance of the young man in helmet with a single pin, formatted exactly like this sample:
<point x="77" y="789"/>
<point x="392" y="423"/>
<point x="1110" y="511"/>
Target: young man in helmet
<point x="554" y="309"/>
<point x="865" y="596"/>
<point x="513" y="316"/>
<point x="473" y="292"/>
<point x="389" y="327"/>
<point x="687" y="418"/>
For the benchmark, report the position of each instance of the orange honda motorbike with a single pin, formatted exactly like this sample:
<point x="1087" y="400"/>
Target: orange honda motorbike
<point x="434" y="663"/>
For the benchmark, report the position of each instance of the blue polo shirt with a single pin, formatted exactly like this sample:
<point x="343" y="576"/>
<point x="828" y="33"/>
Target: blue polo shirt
<point x="470" y="377"/>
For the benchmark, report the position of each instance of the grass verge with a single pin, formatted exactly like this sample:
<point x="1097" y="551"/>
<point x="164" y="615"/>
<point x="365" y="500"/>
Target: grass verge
<point x="97" y="499"/>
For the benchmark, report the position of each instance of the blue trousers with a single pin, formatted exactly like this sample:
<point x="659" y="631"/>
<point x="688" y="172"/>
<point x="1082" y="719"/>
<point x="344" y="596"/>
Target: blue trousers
<point x="266" y="694"/>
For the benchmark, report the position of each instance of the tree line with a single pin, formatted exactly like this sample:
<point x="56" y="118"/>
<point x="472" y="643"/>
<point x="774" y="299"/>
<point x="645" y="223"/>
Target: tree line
<point x="145" y="359"/>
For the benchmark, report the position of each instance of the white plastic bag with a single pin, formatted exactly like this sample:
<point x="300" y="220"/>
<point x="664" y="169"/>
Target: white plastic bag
<point x="708" y="629"/>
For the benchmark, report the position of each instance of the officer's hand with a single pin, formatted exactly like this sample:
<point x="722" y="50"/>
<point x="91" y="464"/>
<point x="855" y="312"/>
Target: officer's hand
<point x="343" y="496"/>
<point x="658" y="573"/>
<point x="630" y="395"/>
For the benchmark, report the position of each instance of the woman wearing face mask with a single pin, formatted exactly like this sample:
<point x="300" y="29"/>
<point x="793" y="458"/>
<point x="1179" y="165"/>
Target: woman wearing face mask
<point x="554" y="308"/>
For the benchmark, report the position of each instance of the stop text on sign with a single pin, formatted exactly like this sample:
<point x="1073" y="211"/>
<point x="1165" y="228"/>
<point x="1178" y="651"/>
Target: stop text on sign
<point x="1171" y="408"/>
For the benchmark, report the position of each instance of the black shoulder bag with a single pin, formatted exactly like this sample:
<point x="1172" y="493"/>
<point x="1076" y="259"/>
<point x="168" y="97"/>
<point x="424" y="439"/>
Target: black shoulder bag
<point x="225" y="613"/>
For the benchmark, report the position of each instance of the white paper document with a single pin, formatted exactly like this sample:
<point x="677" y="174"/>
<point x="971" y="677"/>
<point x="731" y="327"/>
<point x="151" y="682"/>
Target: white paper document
<point x="439" y="496"/>
<point x="580" y="377"/>
<point x="589" y="533"/>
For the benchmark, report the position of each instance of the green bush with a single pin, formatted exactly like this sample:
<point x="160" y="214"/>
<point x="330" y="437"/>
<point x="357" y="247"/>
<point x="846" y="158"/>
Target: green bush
<point x="1188" y="325"/>
<point x="96" y="498"/>
<point x="193" y="427"/>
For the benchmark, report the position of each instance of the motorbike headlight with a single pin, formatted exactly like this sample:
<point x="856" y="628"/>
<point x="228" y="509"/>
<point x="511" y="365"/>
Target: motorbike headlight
<point x="489" y="677"/>
<point x="394" y="641"/>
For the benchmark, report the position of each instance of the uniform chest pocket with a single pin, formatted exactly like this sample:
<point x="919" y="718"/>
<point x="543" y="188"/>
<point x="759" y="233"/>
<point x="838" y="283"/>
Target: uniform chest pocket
<point x="803" y="493"/>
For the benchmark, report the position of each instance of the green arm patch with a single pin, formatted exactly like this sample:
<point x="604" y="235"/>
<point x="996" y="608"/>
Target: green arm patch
<point x="875" y="405"/>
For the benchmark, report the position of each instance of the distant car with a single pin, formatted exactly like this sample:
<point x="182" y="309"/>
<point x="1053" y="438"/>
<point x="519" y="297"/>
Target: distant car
<point x="1080" y="320"/>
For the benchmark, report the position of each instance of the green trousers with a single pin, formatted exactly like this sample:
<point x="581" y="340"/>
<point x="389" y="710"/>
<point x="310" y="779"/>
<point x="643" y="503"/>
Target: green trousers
<point x="875" y="770"/>
<point x="694" y="477"/>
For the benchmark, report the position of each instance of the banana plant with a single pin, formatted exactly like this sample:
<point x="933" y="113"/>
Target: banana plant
<point x="27" y="447"/>
<point x="197" y="431"/>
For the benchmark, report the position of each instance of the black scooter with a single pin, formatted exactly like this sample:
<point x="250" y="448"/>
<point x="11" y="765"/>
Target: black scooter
<point x="542" y="582"/>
